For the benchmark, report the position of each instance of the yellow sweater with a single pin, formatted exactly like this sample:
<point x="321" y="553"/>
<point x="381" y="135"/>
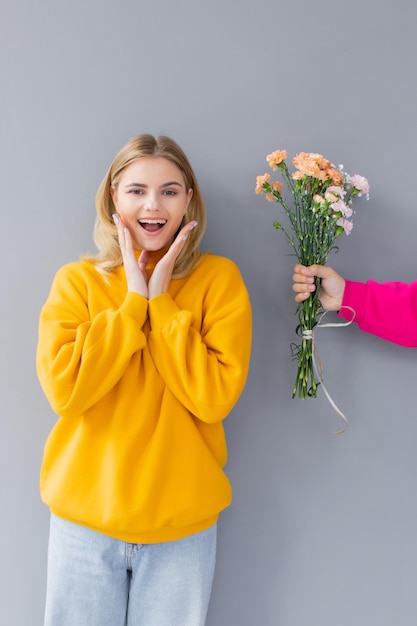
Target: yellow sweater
<point x="141" y="388"/>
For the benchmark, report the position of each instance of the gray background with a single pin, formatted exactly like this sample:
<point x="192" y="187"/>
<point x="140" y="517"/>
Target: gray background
<point x="322" y="528"/>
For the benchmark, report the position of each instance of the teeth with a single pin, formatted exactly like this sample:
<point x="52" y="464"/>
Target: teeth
<point x="149" y="221"/>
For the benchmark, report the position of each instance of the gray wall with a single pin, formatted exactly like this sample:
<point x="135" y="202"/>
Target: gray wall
<point x="322" y="528"/>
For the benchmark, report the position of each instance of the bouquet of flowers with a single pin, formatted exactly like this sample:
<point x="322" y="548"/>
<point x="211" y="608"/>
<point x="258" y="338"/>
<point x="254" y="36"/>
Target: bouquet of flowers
<point x="322" y="197"/>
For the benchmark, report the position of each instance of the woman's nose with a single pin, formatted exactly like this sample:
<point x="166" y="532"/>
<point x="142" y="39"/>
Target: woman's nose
<point x="151" y="203"/>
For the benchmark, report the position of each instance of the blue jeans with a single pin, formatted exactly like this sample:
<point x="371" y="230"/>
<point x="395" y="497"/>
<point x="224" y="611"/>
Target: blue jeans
<point x="95" y="580"/>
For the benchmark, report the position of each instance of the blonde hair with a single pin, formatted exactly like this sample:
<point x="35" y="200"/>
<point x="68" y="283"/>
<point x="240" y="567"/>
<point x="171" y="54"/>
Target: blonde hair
<point x="109" y="256"/>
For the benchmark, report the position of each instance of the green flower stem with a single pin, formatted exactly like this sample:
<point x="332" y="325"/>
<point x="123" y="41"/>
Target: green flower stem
<point x="306" y="383"/>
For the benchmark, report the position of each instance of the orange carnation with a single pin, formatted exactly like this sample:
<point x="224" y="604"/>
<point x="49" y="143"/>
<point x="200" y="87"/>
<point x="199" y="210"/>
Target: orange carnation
<point x="275" y="158"/>
<point x="260" y="180"/>
<point x="336" y="176"/>
<point x="311" y="164"/>
<point x="277" y="186"/>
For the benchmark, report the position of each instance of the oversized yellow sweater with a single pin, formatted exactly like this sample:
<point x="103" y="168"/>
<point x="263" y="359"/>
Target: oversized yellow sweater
<point x="141" y="388"/>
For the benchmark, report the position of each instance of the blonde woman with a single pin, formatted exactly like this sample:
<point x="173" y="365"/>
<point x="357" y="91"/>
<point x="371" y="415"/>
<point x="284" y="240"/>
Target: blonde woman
<point x="143" y="351"/>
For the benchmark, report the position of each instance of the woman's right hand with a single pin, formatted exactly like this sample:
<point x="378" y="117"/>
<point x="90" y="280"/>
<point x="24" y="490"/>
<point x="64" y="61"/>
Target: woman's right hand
<point x="135" y="270"/>
<point x="332" y="285"/>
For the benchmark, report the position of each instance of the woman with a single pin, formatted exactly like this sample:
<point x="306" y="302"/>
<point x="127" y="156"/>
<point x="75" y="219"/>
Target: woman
<point x="387" y="310"/>
<point x="143" y="351"/>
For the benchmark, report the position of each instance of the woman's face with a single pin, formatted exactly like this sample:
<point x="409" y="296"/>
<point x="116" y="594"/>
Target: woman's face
<point x="151" y="198"/>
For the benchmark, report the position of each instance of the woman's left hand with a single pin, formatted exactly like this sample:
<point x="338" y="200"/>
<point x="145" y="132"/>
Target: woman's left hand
<point x="162" y="274"/>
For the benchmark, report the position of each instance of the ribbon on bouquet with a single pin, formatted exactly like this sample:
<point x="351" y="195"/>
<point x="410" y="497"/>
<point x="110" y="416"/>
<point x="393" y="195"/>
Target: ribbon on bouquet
<point x="317" y="363"/>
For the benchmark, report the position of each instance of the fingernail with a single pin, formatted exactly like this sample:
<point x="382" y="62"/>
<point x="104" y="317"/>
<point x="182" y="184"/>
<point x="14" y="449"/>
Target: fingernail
<point x="193" y="225"/>
<point x="116" y="218"/>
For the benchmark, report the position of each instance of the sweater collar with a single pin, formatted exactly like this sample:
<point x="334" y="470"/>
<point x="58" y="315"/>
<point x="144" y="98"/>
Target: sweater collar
<point x="154" y="257"/>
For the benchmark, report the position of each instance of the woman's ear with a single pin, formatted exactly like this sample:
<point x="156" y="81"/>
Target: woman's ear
<point x="189" y="196"/>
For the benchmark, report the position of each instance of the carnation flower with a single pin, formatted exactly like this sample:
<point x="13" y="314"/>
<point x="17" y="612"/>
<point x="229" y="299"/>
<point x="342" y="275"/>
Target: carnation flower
<point x="260" y="180"/>
<point x="360" y="183"/>
<point x="347" y="226"/>
<point x="342" y="207"/>
<point x="277" y="187"/>
<point x="311" y="164"/>
<point x="318" y="199"/>
<point x="335" y="175"/>
<point x="331" y="197"/>
<point x="275" y="158"/>
<point x="336" y="189"/>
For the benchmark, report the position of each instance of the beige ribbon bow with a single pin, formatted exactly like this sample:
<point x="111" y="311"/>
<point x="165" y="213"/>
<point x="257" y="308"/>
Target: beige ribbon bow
<point x="317" y="363"/>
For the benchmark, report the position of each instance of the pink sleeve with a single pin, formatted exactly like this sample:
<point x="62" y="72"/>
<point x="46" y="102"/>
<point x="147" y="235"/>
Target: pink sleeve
<point x="387" y="310"/>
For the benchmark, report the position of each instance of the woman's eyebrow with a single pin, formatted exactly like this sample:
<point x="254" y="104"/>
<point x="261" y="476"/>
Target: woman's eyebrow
<point x="172" y="182"/>
<point x="143" y="186"/>
<point x="135" y="185"/>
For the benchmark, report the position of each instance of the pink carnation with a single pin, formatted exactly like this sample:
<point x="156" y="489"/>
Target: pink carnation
<point x="339" y="191"/>
<point x="342" y="207"/>
<point x="360" y="183"/>
<point x="347" y="226"/>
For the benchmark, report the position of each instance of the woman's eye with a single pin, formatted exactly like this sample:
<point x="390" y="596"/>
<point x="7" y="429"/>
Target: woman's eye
<point x="170" y="192"/>
<point x="136" y="192"/>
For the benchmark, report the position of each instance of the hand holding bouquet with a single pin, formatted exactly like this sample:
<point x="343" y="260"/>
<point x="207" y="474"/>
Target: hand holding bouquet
<point x="320" y="211"/>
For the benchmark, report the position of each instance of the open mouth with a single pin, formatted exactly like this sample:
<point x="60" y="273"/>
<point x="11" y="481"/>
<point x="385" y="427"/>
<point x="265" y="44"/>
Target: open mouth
<point x="152" y="225"/>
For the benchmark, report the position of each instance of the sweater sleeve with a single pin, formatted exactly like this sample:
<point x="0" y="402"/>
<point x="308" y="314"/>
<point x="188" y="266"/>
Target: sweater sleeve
<point x="205" y="368"/>
<point x="387" y="310"/>
<point x="82" y="355"/>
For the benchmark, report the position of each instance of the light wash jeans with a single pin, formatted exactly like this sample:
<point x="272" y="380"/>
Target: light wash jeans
<point x="94" y="580"/>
